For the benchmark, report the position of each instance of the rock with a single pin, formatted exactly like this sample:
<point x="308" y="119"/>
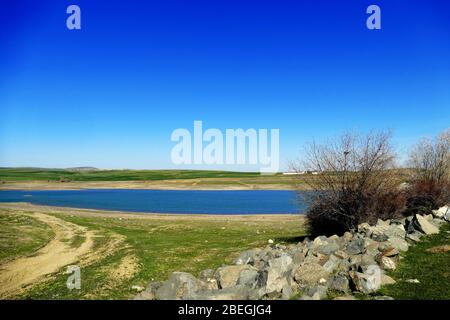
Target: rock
<point x="425" y="226"/>
<point x="228" y="276"/>
<point x="385" y="280"/>
<point x="327" y="248"/>
<point x="341" y="254"/>
<point x="270" y="241"/>
<point x="138" y="288"/>
<point x="206" y="274"/>
<point x="247" y="257"/>
<point x="248" y="278"/>
<point x="447" y="216"/>
<point x="318" y="293"/>
<point x="277" y="273"/>
<point x="390" y="252"/>
<point x="368" y="281"/>
<point x="238" y="292"/>
<point x="310" y="274"/>
<point x="339" y="283"/>
<point x="144" y="295"/>
<point x="387" y="263"/>
<point x="345" y="298"/>
<point x="287" y="292"/>
<point x="355" y="246"/>
<point x="331" y="264"/>
<point x="412" y="281"/>
<point x="179" y="286"/>
<point x="415" y="236"/>
<point x="383" y="298"/>
<point x="441" y="212"/>
<point x="398" y="243"/>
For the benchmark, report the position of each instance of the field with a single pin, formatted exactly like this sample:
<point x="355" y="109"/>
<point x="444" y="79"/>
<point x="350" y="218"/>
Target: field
<point x="117" y="251"/>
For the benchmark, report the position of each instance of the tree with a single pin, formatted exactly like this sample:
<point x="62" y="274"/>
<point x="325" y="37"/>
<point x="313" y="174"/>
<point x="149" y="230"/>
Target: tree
<point x="429" y="161"/>
<point x="355" y="184"/>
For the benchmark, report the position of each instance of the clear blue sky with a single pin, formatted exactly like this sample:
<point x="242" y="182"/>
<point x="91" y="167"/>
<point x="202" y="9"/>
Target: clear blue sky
<point x="110" y="94"/>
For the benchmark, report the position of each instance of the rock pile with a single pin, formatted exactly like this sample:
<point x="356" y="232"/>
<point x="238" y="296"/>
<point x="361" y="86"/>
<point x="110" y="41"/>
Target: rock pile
<point x="311" y="269"/>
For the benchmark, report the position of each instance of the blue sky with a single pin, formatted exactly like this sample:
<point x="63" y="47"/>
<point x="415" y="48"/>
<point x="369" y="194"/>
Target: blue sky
<point x="110" y="95"/>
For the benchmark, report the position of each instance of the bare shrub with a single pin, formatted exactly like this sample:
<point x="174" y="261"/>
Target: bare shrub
<point x="429" y="161"/>
<point x="356" y="182"/>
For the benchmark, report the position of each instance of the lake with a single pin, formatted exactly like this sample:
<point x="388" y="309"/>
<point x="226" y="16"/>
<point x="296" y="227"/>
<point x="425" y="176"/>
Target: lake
<point x="165" y="201"/>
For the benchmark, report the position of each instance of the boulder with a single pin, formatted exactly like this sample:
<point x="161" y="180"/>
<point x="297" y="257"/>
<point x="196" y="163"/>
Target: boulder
<point x="247" y="257"/>
<point x="277" y="273"/>
<point x="228" y="276"/>
<point x="238" y="292"/>
<point x="386" y="263"/>
<point x="425" y="226"/>
<point x="385" y="280"/>
<point x="248" y="277"/>
<point x="339" y="282"/>
<point x="310" y="274"/>
<point x="318" y="293"/>
<point x="368" y="281"/>
<point x="206" y="274"/>
<point x="179" y="286"/>
<point x="398" y="243"/>
<point x="414" y="237"/>
<point x="441" y="212"/>
<point x="331" y="264"/>
<point x="355" y="246"/>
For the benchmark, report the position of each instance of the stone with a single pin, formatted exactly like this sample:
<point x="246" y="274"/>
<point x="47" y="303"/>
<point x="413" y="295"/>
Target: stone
<point x="327" y="248"/>
<point x="425" y="226"/>
<point x="398" y="243"/>
<point x="339" y="282"/>
<point x="345" y="298"/>
<point x="390" y="252"/>
<point x="366" y="282"/>
<point x="248" y="278"/>
<point x="228" y="276"/>
<point x="310" y="274"/>
<point x="318" y="293"/>
<point x="387" y="263"/>
<point x="179" y="286"/>
<point x="277" y="272"/>
<point x="238" y="292"/>
<point x="441" y="212"/>
<point x="383" y="298"/>
<point x="331" y="264"/>
<point x="385" y="280"/>
<point x="144" y="295"/>
<point x="341" y="254"/>
<point x="247" y="257"/>
<point x="355" y="246"/>
<point x="367" y="260"/>
<point x="138" y="288"/>
<point x="206" y="274"/>
<point x="412" y="281"/>
<point x="286" y="292"/>
<point x="414" y="237"/>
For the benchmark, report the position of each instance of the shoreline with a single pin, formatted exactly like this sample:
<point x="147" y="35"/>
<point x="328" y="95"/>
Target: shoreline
<point x="188" y="184"/>
<point x="26" y="206"/>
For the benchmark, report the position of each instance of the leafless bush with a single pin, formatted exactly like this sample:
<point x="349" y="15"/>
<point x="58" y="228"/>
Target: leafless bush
<point x="355" y="183"/>
<point x="430" y="174"/>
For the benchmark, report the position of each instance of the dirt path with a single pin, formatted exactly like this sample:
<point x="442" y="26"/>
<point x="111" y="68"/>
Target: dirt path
<point x="18" y="274"/>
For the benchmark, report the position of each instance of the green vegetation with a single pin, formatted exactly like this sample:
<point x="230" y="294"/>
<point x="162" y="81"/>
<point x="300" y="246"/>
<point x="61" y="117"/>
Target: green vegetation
<point x="21" y="235"/>
<point x="161" y="247"/>
<point x="38" y="174"/>
<point x="428" y="262"/>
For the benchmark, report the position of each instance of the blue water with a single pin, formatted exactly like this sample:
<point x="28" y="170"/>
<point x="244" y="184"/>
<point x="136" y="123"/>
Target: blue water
<point x="165" y="201"/>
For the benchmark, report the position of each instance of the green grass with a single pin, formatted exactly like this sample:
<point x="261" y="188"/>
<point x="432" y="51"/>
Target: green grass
<point x="31" y="174"/>
<point x="163" y="246"/>
<point x="21" y="235"/>
<point x="431" y="269"/>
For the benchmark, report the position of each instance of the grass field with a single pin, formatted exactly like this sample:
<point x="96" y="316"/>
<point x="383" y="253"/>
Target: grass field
<point x="428" y="262"/>
<point x="31" y="174"/>
<point x="152" y="247"/>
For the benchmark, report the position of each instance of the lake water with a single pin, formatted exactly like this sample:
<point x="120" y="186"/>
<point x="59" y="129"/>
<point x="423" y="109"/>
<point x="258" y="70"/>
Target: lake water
<point x="165" y="201"/>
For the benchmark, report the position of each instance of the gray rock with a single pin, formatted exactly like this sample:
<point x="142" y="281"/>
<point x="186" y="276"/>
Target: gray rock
<point x="398" y="243"/>
<point x="206" y="274"/>
<point x="366" y="282"/>
<point x="238" y="292"/>
<point x="277" y="273"/>
<point x="228" y="276"/>
<point x="355" y="246"/>
<point x="247" y="257"/>
<point x="331" y="264"/>
<point x="425" y="226"/>
<point x="385" y="280"/>
<point x="319" y="292"/>
<point x="441" y="212"/>
<point x="248" y="278"/>
<point x="387" y="263"/>
<point x="179" y="286"/>
<point x="339" y="282"/>
<point x="310" y="274"/>
<point x="414" y="237"/>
